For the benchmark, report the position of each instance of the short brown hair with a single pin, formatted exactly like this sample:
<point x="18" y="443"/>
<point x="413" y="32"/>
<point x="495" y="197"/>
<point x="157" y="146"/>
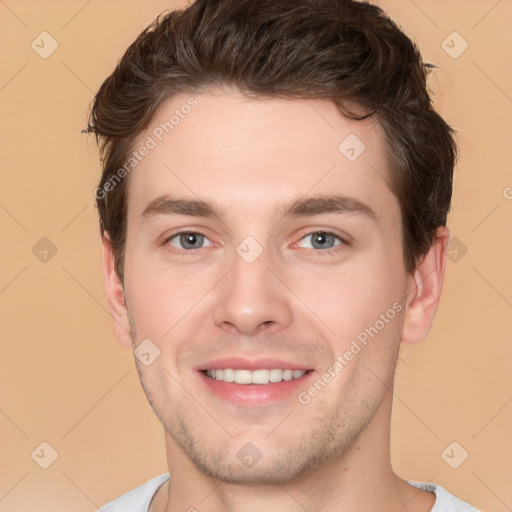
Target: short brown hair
<point x="345" y="51"/>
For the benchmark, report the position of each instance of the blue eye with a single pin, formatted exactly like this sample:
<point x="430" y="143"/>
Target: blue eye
<point x="321" y="240"/>
<point x="189" y="241"/>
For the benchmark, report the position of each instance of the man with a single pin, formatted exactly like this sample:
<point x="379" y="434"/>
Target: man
<point x="273" y="210"/>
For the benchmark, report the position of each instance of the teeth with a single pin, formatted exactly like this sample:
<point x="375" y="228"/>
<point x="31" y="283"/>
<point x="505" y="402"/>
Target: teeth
<point x="260" y="376"/>
<point x="288" y="375"/>
<point x="254" y="377"/>
<point x="241" y="376"/>
<point x="228" y="375"/>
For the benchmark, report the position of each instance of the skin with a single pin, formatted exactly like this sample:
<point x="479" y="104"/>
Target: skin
<point x="296" y="302"/>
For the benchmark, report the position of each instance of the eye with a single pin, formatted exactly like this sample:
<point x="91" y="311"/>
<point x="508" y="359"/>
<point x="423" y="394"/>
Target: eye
<point x="189" y="241"/>
<point x="320" y="240"/>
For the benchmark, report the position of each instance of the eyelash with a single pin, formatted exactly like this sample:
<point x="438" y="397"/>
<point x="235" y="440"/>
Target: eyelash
<point x="332" y="251"/>
<point x="183" y="252"/>
<point x="344" y="242"/>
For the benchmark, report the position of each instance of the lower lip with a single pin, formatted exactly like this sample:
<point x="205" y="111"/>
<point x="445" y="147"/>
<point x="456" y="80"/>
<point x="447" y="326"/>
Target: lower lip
<point x="256" y="394"/>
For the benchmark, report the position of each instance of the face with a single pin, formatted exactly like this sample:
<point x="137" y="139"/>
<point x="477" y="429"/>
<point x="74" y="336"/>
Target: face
<point x="265" y="264"/>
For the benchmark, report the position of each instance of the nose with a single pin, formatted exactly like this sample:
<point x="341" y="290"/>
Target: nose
<point x="251" y="299"/>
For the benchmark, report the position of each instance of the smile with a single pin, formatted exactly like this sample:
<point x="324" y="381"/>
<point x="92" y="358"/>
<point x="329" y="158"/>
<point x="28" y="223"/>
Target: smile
<point x="260" y="376"/>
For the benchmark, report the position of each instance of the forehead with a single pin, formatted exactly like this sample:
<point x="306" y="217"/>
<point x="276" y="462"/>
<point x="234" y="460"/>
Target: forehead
<point x="224" y="146"/>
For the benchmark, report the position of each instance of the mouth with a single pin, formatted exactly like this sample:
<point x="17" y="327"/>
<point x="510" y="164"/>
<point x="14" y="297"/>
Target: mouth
<point x="249" y="382"/>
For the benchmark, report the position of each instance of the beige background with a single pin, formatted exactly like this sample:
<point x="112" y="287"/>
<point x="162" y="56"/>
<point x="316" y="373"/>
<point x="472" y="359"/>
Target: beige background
<point x="64" y="378"/>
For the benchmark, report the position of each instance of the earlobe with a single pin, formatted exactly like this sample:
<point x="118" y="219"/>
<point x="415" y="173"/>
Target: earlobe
<point x="115" y="295"/>
<point x="425" y="289"/>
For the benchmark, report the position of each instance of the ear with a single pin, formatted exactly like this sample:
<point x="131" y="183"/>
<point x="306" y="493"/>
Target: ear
<point x="115" y="295"/>
<point x="424" y="289"/>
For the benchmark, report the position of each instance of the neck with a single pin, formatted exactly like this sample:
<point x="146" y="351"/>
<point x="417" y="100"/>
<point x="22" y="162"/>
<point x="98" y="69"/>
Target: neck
<point x="359" y="480"/>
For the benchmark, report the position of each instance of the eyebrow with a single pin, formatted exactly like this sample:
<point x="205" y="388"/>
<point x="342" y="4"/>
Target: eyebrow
<point x="301" y="207"/>
<point x="318" y="205"/>
<point x="166" y="205"/>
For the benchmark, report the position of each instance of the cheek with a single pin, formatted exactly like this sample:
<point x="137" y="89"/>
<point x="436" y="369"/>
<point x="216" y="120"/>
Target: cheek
<point x="349" y="299"/>
<point x="161" y="297"/>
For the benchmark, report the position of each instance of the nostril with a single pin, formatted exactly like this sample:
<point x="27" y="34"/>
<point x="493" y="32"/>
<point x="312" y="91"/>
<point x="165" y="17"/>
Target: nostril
<point x="266" y="325"/>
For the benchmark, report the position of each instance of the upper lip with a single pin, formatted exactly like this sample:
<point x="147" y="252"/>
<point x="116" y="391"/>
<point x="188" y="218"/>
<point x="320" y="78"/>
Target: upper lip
<point x="247" y="363"/>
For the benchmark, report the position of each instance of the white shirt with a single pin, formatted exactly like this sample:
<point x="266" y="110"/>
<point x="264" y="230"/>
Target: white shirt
<point x="138" y="499"/>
